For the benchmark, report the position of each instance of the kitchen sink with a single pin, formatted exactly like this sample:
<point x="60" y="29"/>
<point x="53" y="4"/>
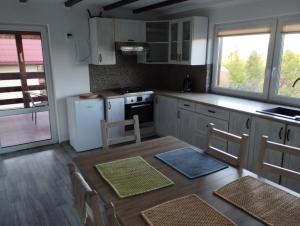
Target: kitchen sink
<point x="283" y="112"/>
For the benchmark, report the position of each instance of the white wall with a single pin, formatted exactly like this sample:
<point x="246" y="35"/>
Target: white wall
<point x="69" y="77"/>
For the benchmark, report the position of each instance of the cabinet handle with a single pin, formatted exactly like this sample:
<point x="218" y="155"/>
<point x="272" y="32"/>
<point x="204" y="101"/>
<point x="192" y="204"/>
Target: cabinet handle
<point x="100" y="58"/>
<point x="288" y="135"/>
<point x="178" y="114"/>
<point x="109" y="106"/>
<point x="248" y="123"/>
<point x="211" y="111"/>
<point x="186" y="105"/>
<point x="280" y="133"/>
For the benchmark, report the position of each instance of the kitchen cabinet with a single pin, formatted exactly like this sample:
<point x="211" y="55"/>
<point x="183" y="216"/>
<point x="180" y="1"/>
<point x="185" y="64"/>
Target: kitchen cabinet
<point x="130" y="30"/>
<point x="188" y="41"/>
<point x="239" y="124"/>
<point x="157" y="37"/>
<point x="186" y="126"/>
<point x="115" y="111"/>
<point x="165" y="116"/>
<point x="102" y="38"/>
<point x="276" y="133"/>
<point x="292" y="162"/>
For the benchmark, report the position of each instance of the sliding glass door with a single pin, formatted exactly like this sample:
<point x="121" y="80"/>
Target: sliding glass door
<point x="26" y="103"/>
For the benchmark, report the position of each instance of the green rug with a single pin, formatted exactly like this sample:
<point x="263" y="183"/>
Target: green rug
<point x="132" y="176"/>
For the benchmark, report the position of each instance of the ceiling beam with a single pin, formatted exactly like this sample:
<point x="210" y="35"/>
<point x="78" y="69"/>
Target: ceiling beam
<point x="157" y="5"/>
<point x="118" y="4"/>
<point x="70" y="3"/>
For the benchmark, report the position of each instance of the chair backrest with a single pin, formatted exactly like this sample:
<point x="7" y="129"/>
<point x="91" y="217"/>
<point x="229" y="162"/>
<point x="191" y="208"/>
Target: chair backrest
<point x="262" y="166"/>
<point x="239" y="161"/>
<point x="105" y="126"/>
<point x="86" y="200"/>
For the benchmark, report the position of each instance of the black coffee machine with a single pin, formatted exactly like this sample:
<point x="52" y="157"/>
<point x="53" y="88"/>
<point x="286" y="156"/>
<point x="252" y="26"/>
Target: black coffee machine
<point x="187" y="84"/>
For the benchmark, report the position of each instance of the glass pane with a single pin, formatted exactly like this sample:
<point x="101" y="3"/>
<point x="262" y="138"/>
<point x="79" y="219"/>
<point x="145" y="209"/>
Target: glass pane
<point x="186" y="32"/>
<point x="9" y="62"/>
<point x="186" y="51"/>
<point x="174" y="32"/>
<point x="157" y="31"/>
<point x="243" y="62"/>
<point x="22" y="129"/>
<point x="158" y="52"/>
<point x="174" y="51"/>
<point x="290" y="66"/>
<point x="33" y="53"/>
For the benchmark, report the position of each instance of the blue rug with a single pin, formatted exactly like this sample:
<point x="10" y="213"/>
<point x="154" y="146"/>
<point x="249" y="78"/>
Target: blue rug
<point x="191" y="163"/>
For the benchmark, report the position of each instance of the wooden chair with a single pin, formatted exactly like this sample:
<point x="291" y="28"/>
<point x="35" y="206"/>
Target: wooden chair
<point x="90" y="207"/>
<point x="239" y="161"/>
<point x="262" y="166"/>
<point x="112" y="141"/>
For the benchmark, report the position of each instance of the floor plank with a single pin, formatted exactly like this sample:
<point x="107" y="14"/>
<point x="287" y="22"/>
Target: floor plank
<point x="35" y="188"/>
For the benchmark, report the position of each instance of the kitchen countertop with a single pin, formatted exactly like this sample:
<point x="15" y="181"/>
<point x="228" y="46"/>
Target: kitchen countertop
<point x="224" y="102"/>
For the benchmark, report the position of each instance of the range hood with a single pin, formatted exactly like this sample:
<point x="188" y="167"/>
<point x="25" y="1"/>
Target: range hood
<point x="132" y="48"/>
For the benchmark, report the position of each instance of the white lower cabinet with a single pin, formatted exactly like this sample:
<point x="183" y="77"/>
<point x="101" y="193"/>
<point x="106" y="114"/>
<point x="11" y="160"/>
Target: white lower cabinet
<point x="193" y="129"/>
<point x="239" y="124"/>
<point x="165" y="116"/>
<point x="292" y="162"/>
<point x="114" y="111"/>
<point x="276" y="133"/>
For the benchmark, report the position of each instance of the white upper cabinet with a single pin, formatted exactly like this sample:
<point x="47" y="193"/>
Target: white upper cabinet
<point x="188" y="41"/>
<point x="102" y="37"/>
<point x="130" y="30"/>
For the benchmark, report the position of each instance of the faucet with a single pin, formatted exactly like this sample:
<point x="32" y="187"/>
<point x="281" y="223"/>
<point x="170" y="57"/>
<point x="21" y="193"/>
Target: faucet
<point x="297" y="80"/>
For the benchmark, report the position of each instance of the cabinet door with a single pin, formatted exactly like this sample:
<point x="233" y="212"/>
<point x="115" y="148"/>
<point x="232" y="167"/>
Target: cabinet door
<point x="292" y="162"/>
<point x="165" y="113"/>
<point x="186" y="126"/>
<point x="185" y="47"/>
<point x="174" y="41"/>
<point x="115" y="111"/>
<point x="201" y="124"/>
<point x="102" y="46"/>
<point x="275" y="131"/>
<point x="130" y="30"/>
<point x="239" y="124"/>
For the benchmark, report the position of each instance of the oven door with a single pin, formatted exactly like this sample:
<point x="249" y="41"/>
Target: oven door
<point x="143" y="110"/>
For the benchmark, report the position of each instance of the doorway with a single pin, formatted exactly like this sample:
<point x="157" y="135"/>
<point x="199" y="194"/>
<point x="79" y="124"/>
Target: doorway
<point x="26" y="103"/>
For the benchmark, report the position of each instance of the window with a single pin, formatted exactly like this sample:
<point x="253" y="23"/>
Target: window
<point x="242" y="58"/>
<point x="287" y="61"/>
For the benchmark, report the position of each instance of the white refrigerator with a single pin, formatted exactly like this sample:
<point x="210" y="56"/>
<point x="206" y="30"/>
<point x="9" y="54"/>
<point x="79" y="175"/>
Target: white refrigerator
<point x="84" y="117"/>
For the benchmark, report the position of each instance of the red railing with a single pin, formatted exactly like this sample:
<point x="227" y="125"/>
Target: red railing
<point x="14" y="76"/>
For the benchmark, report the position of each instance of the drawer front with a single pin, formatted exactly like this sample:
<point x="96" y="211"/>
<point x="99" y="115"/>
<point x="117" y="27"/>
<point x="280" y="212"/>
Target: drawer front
<point x="212" y="111"/>
<point x="190" y="106"/>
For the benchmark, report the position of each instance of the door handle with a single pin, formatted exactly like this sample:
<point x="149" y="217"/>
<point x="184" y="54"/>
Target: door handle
<point x="288" y="135"/>
<point x="109" y="105"/>
<point x="248" y="123"/>
<point x="280" y="133"/>
<point x="100" y="58"/>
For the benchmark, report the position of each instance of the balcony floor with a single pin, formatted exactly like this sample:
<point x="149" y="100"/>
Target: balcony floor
<point x="20" y="129"/>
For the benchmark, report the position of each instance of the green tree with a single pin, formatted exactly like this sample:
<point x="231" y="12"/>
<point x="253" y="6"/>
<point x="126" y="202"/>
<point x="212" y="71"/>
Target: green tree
<point x="236" y="69"/>
<point x="255" y="71"/>
<point x="290" y="71"/>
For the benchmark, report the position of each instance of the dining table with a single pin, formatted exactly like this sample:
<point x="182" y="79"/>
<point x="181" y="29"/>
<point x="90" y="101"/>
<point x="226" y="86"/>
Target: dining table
<point x="128" y="210"/>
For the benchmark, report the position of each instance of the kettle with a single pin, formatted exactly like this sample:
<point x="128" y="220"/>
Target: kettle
<point x="187" y="84"/>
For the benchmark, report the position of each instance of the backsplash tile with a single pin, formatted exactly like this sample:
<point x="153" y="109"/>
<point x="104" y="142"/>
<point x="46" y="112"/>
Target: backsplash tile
<point x="127" y="72"/>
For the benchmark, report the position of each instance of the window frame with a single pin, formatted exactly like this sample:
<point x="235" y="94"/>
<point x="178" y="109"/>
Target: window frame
<point x="277" y="61"/>
<point x="272" y="23"/>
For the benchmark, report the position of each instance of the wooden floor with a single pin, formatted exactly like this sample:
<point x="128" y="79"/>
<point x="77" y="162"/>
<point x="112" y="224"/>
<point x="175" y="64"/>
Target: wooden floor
<point x="20" y="129"/>
<point x="35" y="188"/>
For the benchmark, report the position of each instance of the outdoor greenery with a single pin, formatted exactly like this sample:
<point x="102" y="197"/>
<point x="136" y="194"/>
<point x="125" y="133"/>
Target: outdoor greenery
<point x="248" y="74"/>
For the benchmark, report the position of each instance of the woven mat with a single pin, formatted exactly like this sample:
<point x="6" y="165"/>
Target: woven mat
<point x="132" y="176"/>
<point x="186" y="211"/>
<point x="263" y="201"/>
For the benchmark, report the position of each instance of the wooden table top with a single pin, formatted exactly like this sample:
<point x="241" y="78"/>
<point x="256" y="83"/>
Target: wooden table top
<point x="128" y="210"/>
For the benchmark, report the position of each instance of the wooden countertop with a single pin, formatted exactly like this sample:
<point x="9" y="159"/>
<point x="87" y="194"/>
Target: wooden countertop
<point x="224" y="102"/>
<point x="230" y="103"/>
